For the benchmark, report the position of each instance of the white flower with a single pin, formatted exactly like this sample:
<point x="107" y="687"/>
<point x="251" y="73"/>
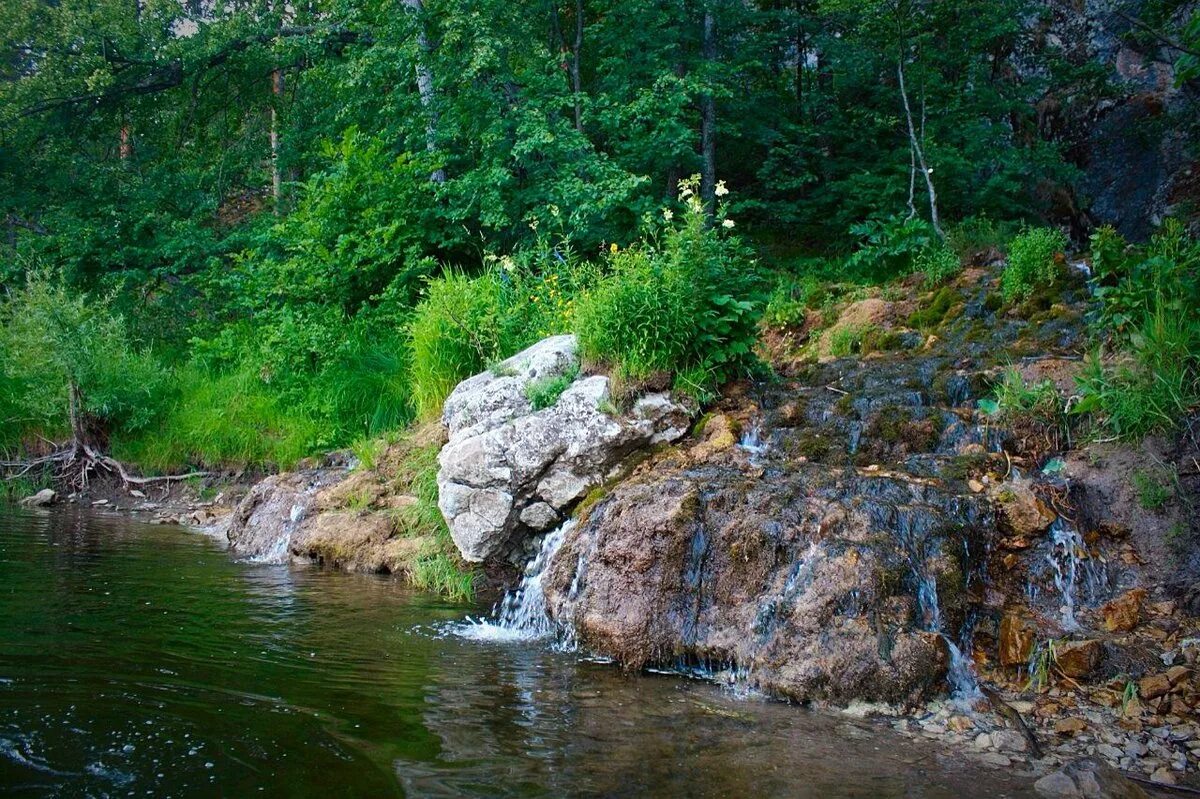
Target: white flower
<point x="554" y="211"/>
<point x="668" y="214"/>
<point x="507" y="263"/>
<point x="727" y="224"/>
<point x="685" y="192"/>
<point x="720" y="190"/>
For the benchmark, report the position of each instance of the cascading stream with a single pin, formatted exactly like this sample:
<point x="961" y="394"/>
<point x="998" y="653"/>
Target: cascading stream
<point x="1071" y="567"/>
<point x="521" y="614"/>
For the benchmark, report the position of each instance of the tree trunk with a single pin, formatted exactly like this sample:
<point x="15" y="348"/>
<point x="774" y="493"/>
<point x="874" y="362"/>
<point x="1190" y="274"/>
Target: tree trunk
<point x="576" y="55"/>
<point x="276" y="170"/>
<point x="919" y="151"/>
<point x="425" y="85"/>
<point x="125" y="147"/>
<point x="708" y="120"/>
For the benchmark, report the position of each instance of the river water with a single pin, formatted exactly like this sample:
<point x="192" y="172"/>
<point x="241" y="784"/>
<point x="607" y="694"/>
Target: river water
<point x="140" y="660"/>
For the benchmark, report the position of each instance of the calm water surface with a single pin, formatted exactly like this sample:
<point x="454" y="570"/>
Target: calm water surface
<point x="140" y="660"/>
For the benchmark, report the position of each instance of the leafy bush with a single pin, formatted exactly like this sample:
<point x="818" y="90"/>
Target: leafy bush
<point x="792" y="296"/>
<point x="938" y="263"/>
<point x="1151" y="381"/>
<point x="68" y="358"/>
<point x="1153" y="384"/>
<point x="1032" y="262"/>
<point x="688" y="307"/>
<point x="889" y="247"/>
<point x="1133" y="281"/>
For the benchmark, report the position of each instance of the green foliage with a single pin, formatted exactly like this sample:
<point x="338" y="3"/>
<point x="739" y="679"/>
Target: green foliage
<point x="68" y="357"/>
<point x="544" y="393"/>
<point x="1155" y="487"/>
<point x="977" y="234"/>
<point x="1151" y="380"/>
<point x="454" y="333"/>
<point x="889" y="247"/>
<point x="938" y="264"/>
<point x="232" y="419"/>
<point x="688" y="306"/>
<point x="1017" y="402"/>
<point x="1032" y="262"/>
<point x="792" y="296"/>
<point x="1135" y="281"/>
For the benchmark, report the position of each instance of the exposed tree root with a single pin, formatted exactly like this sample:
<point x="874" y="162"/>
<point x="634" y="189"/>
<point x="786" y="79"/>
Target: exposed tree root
<point x="75" y="464"/>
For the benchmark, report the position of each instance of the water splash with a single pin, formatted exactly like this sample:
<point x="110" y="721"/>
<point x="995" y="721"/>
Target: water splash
<point x="754" y="443"/>
<point x="1072" y="567"/>
<point x="521" y="615"/>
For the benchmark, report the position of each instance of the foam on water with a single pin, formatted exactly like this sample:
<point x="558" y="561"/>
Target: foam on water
<point x="521" y="615"/>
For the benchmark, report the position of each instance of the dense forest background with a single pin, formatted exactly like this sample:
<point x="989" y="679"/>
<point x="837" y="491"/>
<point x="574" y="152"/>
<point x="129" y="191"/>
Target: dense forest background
<point x="246" y="232"/>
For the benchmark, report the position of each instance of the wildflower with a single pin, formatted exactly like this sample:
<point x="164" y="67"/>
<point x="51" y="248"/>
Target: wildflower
<point x="685" y="191"/>
<point x="720" y="190"/>
<point x="727" y="224"/>
<point x="613" y="247"/>
<point x="533" y="223"/>
<point x="668" y="214"/>
<point x="554" y="211"/>
<point x="507" y="263"/>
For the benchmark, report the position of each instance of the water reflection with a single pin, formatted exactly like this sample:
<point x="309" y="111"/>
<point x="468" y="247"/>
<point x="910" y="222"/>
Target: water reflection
<point x="139" y="660"/>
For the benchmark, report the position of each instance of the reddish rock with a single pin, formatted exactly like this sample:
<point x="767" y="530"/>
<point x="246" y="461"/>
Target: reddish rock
<point x="1016" y="640"/>
<point x="1078" y="658"/>
<point x="1123" y="613"/>
<point x="1021" y="511"/>
<point x="1154" y="686"/>
<point x="1070" y="726"/>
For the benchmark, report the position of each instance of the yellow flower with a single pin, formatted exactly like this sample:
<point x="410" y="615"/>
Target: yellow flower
<point x="613" y="247"/>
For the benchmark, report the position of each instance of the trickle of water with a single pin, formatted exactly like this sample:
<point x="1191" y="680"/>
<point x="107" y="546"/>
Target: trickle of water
<point x="753" y="442"/>
<point x="279" y="550"/>
<point x="1070" y="567"/>
<point x="961" y="674"/>
<point x="521" y="615"/>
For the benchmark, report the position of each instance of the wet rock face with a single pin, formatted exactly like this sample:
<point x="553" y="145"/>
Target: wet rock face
<point x="510" y="469"/>
<point x="807" y="579"/>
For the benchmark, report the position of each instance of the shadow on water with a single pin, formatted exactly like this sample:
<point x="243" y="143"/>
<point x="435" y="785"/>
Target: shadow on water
<point x="142" y="660"/>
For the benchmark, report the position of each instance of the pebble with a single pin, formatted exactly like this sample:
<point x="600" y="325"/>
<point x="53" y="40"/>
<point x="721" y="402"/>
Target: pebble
<point x="997" y="759"/>
<point x="983" y="741"/>
<point x="1009" y="741"/>
<point x="1109" y="752"/>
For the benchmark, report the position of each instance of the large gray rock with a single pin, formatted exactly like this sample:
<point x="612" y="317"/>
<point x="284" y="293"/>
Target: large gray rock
<point x="1088" y="778"/>
<point x="41" y="499"/>
<point x="509" y="470"/>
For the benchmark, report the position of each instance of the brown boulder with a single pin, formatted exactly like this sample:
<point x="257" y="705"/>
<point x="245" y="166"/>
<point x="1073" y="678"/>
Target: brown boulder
<point x="1154" y="686"/>
<point x="1078" y="658"/>
<point x="1123" y="613"/>
<point x="1021" y="511"/>
<point x="1016" y="640"/>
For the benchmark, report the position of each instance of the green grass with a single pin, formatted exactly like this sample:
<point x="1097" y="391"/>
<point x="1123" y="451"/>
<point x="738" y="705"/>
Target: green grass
<point x="544" y="393"/>
<point x="1155" y="487"/>
<point x="231" y="419"/>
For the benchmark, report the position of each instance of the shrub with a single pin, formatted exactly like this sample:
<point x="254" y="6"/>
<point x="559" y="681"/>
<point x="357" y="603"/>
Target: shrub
<point x="1031" y="262"/>
<point x="1132" y="281"/>
<point x="68" y="364"/>
<point x="889" y="247"/>
<point x="938" y="264"/>
<point x="689" y="306"/>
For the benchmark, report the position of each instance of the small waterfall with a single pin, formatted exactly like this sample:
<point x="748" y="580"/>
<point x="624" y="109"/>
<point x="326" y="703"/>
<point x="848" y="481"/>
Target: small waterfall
<point x="752" y="441"/>
<point x="963" y="683"/>
<point x="280" y="548"/>
<point x="521" y="615"/>
<point x="1070" y="567"/>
